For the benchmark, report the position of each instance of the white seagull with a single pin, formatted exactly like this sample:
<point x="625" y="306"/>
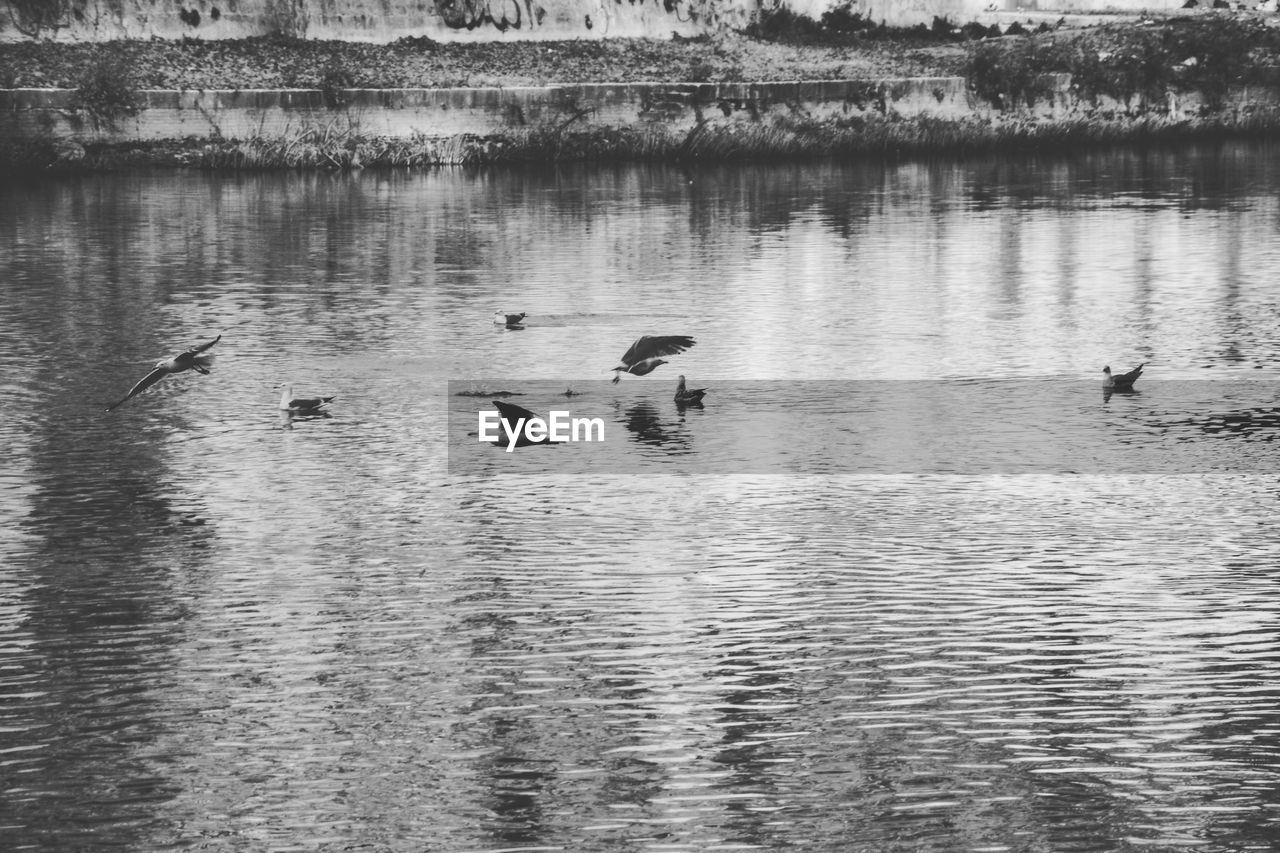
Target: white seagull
<point x="192" y="359"/>
<point x="301" y="405"/>
<point x="1123" y="382"/>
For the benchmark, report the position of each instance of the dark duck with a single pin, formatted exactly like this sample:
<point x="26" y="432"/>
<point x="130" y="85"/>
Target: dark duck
<point x="689" y="397"/>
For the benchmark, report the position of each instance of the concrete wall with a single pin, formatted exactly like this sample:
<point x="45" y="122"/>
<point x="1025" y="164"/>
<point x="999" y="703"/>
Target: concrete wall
<point x="240" y="114"/>
<point x="364" y="20"/>
<point x="470" y="20"/>
<point x="442" y="113"/>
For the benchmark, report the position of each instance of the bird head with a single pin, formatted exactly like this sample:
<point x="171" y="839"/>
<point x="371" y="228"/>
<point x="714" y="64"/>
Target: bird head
<point x="1107" y="370"/>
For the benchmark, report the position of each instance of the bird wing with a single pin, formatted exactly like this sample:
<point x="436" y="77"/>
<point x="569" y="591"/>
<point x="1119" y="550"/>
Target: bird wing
<point x="512" y="414"/>
<point x="199" y="348"/>
<point x="1131" y="376"/>
<point x="143" y="384"/>
<point x="652" y="346"/>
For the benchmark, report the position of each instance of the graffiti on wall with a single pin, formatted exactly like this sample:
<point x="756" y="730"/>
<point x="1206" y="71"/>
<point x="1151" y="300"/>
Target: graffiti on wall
<point x="702" y="15"/>
<point x="502" y="15"/>
<point x="35" y="18"/>
<point x="100" y="20"/>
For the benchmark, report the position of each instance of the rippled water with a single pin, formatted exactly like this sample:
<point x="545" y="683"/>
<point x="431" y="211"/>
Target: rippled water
<point x="907" y="582"/>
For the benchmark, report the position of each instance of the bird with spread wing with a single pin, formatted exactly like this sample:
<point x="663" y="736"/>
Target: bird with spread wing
<point x="192" y="359"/>
<point x="646" y="354"/>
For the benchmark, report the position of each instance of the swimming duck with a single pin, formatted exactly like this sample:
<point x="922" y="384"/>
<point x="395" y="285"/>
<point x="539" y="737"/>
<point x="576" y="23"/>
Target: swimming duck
<point x="192" y="359"/>
<point x="645" y="354"/>
<point x="301" y="405"/>
<point x="1123" y="382"/>
<point x="685" y="397"/>
<point x="508" y="320"/>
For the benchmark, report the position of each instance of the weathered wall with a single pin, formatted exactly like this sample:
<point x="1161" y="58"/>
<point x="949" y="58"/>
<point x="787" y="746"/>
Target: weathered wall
<point x="441" y="113"/>
<point x="364" y="20"/>
<point x="470" y="20"/>
<point x="240" y="114"/>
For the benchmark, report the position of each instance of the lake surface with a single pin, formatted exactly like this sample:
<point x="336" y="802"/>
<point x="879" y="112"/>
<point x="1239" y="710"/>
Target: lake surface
<point x="907" y="581"/>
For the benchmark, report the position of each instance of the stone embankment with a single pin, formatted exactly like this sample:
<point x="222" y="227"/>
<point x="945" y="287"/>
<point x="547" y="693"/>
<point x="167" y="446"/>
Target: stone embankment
<point x="408" y="113"/>
<point x="1012" y="91"/>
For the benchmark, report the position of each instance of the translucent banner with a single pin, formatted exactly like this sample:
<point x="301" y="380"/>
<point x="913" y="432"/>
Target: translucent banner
<point x="862" y="427"/>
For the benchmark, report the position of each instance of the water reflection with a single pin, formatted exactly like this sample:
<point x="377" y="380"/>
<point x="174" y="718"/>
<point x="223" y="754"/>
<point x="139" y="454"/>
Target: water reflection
<point x="981" y="609"/>
<point x="1252" y="425"/>
<point x="103" y="528"/>
<point x="1108" y="393"/>
<point x="289" y="418"/>
<point x="648" y="426"/>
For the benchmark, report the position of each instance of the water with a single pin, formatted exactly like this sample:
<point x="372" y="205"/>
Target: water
<point x="996" y="612"/>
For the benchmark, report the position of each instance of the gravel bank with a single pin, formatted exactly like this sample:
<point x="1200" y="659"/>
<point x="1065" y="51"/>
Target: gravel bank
<point x="420" y="63"/>
<point x="797" y="49"/>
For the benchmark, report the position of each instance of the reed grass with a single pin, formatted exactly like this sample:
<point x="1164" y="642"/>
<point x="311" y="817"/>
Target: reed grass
<point x="871" y="136"/>
<point x="331" y="147"/>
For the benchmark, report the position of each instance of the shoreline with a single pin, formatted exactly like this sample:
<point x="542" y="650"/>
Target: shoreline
<point x="949" y="90"/>
<point x="876" y="139"/>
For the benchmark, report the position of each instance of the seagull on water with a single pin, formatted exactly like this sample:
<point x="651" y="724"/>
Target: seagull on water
<point x="685" y="397"/>
<point x="300" y="405"/>
<point x="192" y="359"/>
<point x="646" y="354"/>
<point x="1123" y="382"/>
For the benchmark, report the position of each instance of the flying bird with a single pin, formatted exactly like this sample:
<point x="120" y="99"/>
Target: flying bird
<point x="192" y="359"/>
<point x="301" y="405"/>
<point x="508" y="320"/>
<point x="1123" y="382"/>
<point x="646" y="354"/>
<point x="686" y="397"/>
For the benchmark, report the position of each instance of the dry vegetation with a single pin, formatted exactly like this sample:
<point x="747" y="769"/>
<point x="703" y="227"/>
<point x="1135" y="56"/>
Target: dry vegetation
<point x="1132" y="61"/>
